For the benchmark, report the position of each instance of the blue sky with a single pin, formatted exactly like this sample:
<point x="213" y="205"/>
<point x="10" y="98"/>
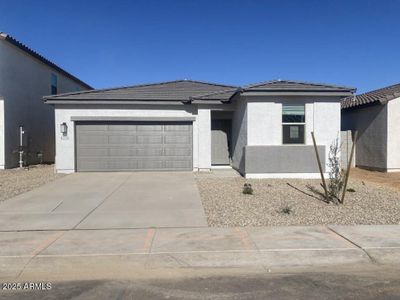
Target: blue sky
<point x="115" y="43"/>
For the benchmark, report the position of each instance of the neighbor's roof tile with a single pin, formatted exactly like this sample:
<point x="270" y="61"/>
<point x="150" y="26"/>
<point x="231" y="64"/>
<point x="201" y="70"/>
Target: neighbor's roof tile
<point x="381" y="95"/>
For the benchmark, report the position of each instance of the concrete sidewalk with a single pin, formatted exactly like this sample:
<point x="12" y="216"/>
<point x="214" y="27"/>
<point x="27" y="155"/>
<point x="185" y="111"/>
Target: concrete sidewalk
<point x="55" y="253"/>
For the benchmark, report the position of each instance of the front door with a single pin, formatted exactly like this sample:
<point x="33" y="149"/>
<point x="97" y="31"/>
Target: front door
<point x="220" y="141"/>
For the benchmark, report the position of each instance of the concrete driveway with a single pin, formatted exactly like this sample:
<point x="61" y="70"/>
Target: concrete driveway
<point x="107" y="201"/>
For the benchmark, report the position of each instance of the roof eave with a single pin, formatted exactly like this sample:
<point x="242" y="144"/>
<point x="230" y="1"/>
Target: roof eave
<point x="129" y="102"/>
<point x="298" y="93"/>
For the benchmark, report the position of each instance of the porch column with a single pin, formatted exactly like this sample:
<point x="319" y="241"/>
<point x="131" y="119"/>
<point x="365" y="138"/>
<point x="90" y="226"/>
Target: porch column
<point x="204" y="127"/>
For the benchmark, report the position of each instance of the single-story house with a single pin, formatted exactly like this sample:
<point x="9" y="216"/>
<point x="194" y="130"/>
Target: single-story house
<point x="25" y="77"/>
<point x="375" y="115"/>
<point x="262" y="130"/>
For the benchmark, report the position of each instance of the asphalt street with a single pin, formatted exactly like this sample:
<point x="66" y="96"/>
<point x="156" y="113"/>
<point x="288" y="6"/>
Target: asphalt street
<point x="351" y="283"/>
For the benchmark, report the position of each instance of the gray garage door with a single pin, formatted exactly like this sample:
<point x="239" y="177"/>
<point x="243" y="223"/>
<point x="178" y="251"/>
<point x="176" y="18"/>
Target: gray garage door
<point x="125" y="146"/>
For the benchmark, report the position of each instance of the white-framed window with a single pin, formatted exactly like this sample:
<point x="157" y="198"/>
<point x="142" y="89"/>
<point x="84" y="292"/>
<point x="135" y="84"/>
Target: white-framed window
<point x="293" y="124"/>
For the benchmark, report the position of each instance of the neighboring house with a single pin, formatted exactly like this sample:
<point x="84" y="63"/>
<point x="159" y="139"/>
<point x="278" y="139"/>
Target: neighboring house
<point x="25" y="77"/>
<point x="376" y="116"/>
<point x="262" y="130"/>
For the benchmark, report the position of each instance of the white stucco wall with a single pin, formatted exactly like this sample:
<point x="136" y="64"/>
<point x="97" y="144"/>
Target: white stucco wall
<point x="326" y="125"/>
<point x="1" y="133"/>
<point x="264" y="122"/>
<point x="24" y="80"/>
<point x="393" y="138"/>
<point x="204" y="144"/>
<point x="264" y="115"/>
<point x="65" y="149"/>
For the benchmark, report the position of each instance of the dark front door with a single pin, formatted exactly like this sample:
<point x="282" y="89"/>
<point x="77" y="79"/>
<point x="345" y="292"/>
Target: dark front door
<point x="220" y="141"/>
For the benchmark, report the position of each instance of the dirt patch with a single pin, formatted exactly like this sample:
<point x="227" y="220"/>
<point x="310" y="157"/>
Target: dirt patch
<point x="294" y="202"/>
<point x="17" y="181"/>
<point x="382" y="179"/>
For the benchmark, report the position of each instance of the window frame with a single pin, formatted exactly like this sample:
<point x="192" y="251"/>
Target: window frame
<point x="304" y="124"/>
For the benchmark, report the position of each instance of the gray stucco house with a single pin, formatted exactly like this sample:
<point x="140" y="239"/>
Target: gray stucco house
<point x="25" y="77"/>
<point x="376" y="116"/>
<point x="262" y="130"/>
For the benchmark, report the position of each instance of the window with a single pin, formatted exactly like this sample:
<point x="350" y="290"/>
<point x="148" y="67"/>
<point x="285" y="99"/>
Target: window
<point x="293" y="123"/>
<point x="53" y="84"/>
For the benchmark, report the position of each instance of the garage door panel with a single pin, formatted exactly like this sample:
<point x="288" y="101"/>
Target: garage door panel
<point x="88" y="152"/>
<point x="122" y="139"/>
<point x="150" y="139"/>
<point x="122" y="164"/>
<point x="177" y="151"/>
<point x="118" y="127"/>
<point x="149" y="128"/>
<point x="93" y="127"/>
<point x="177" y="139"/>
<point x="92" y="164"/>
<point x="150" y="164"/>
<point x="121" y="152"/>
<point x="149" y="152"/>
<point x="119" y="146"/>
<point x="177" y="127"/>
<point x="179" y="164"/>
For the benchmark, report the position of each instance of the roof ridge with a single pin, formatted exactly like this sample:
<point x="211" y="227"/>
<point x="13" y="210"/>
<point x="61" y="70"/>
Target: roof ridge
<point x="210" y="83"/>
<point x="6" y="37"/>
<point x="297" y="82"/>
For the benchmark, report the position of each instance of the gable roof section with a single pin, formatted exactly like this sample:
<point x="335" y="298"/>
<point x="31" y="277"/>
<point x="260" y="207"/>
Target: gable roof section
<point x="6" y="37"/>
<point x="178" y="90"/>
<point x="276" y="87"/>
<point x="377" y="96"/>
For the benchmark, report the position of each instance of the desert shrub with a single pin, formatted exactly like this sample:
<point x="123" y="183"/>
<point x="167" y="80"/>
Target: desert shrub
<point x="286" y="209"/>
<point x="247" y="189"/>
<point x="336" y="176"/>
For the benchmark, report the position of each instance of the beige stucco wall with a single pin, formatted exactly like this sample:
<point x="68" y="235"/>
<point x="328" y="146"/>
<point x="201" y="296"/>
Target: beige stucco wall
<point x="24" y="80"/>
<point x="372" y="141"/>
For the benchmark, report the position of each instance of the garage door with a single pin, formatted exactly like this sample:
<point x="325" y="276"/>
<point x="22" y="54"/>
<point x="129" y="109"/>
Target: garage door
<point x="130" y="146"/>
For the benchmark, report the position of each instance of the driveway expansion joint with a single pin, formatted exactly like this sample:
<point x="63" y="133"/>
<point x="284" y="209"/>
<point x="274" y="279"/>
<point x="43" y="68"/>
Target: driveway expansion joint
<point x="102" y="202"/>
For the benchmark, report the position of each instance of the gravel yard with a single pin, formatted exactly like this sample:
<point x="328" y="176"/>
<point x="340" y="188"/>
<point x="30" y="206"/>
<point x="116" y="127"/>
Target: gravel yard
<point x="225" y="204"/>
<point x="16" y="181"/>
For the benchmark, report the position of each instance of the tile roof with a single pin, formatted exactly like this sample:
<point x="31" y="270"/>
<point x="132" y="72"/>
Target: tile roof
<point x="191" y="90"/>
<point x="278" y="86"/>
<point x="178" y="90"/>
<point x="291" y="85"/>
<point x="6" y="37"/>
<point x="380" y="95"/>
